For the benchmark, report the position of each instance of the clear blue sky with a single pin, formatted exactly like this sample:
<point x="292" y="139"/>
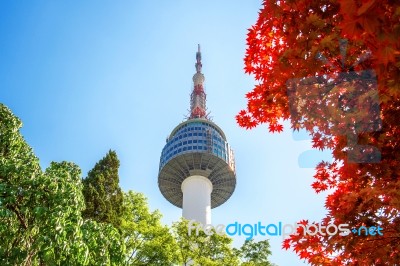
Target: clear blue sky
<point x="89" y="76"/>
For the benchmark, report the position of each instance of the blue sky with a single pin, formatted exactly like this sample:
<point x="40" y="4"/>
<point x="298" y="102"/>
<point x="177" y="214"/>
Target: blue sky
<point x="86" y="77"/>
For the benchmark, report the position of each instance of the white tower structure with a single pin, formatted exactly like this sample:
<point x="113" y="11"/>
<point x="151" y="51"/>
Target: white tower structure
<point x="197" y="166"/>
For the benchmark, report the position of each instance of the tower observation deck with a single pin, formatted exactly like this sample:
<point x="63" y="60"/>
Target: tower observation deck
<point x="197" y="165"/>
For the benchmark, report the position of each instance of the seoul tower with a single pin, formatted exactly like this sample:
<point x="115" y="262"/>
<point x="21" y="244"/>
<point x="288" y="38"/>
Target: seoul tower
<point x="197" y="165"/>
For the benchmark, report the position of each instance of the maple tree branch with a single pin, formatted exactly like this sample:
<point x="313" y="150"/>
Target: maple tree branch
<point x="19" y="216"/>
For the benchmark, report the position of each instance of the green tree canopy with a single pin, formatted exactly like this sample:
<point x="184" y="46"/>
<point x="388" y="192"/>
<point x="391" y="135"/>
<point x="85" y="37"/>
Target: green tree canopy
<point x="198" y="248"/>
<point x="148" y="242"/>
<point x="255" y="253"/>
<point x="103" y="195"/>
<point x="40" y="212"/>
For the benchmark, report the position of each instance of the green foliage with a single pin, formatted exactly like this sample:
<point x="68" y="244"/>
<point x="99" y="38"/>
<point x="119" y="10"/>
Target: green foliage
<point x="40" y="212"/>
<point x="102" y="193"/>
<point x="41" y="219"/>
<point x="148" y="242"/>
<point x="57" y="217"/>
<point x="106" y="247"/>
<point x="19" y="170"/>
<point x="201" y="249"/>
<point x="255" y="253"/>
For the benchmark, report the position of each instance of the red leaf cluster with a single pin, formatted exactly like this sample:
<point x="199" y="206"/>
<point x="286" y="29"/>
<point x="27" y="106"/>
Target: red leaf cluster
<point x="346" y="94"/>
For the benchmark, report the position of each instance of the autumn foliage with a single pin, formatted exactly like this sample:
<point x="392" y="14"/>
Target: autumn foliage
<point x="333" y="68"/>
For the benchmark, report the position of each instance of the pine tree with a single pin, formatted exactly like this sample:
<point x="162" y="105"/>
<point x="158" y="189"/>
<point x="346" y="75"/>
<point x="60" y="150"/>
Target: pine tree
<point x="103" y="195"/>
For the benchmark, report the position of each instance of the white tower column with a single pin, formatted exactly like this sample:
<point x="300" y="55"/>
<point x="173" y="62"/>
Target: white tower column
<point x="196" y="205"/>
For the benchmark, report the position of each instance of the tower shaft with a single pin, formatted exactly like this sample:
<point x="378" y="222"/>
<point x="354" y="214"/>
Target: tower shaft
<point x="196" y="205"/>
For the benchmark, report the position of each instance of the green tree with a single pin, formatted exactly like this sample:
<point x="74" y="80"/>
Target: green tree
<point x="103" y="195"/>
<point x="104" y="242"/>
<point x="40" y="212"/>
<point x="148" y="242"/>
<point x="198" y="248"/>
<point x="19" y="168"/>
<point x="255" y="253"/>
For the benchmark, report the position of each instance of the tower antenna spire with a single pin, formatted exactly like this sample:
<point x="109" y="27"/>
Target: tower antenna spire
<point x="198" y="64"/>
<point x="198" y="96"/>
